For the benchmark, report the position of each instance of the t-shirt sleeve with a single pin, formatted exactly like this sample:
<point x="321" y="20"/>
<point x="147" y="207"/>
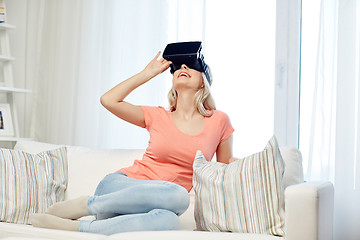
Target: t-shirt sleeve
<point x="150" y="113"/>
<point x="227" y="128"/>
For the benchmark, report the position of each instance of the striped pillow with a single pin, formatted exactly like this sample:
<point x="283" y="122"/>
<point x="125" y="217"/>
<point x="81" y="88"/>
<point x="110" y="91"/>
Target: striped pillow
<point x="244" y="196"/>
<point x="30" y="183"/>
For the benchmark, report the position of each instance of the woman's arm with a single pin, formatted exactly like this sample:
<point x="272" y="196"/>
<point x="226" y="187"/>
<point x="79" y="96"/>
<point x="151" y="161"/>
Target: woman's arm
<point x="113" y="100"/>
<point x="224" y="151"/>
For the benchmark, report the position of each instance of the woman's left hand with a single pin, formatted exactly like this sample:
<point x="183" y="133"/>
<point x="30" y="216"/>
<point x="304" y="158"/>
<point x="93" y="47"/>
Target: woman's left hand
<point x="157" y="66"/>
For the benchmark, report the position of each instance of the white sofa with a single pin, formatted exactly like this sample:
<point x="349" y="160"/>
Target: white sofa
<point x="308" y="205"/>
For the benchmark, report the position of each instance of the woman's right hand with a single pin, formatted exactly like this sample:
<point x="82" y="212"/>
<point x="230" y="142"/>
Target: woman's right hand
<point x="156" y="66"/>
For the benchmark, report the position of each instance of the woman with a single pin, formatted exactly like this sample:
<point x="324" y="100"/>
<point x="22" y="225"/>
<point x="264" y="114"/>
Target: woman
<point x="151" y="194"/>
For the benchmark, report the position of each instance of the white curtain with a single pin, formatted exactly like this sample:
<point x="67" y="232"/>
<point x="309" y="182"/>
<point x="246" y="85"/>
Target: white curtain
<point x="318" y="132"/>
<point x="79" y="49"/>
<point x="347" y="150"/>
<point x="332" y="149"/>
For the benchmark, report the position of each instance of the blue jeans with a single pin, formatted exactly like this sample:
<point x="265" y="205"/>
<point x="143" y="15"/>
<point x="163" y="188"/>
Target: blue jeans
<point x="124" y="204"/>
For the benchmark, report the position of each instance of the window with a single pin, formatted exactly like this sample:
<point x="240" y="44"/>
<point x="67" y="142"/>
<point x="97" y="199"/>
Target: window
<point x="249" y="45"/>
<point x="239" y="47"/>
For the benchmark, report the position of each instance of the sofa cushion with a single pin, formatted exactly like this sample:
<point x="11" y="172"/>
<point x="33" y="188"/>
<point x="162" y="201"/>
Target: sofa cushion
<point x="244" y="196"/>
<point x="293" y="166"/>
<point x="189" y="235"/>
<point x="30" y="183"/>
<point x="28" y="232"/>
<point x="25" y="232"/>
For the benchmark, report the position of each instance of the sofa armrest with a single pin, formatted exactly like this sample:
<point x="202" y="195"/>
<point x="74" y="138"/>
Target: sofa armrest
<point x="309" y="211"/>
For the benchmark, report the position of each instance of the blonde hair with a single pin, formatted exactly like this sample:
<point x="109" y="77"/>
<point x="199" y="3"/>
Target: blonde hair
<point x="203" y="100"/>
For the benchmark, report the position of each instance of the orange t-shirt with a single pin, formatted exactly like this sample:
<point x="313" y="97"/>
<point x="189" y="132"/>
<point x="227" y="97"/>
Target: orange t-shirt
<point x="170" y="153"/>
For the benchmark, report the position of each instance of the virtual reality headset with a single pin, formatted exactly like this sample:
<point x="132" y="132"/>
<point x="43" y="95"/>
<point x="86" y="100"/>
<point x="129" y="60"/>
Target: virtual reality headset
<point x="188" y="53"/>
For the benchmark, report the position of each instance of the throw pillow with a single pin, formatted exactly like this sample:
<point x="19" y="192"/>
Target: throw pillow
<point x="244" y="196"/>
<point x="30" y="183"/>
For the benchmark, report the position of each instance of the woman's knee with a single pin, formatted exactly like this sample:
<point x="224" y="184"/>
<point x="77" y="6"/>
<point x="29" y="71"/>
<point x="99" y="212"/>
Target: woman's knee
<point x="164" y="220"/>
<point x="178" y="198"/>
<point x="107" y="184"/>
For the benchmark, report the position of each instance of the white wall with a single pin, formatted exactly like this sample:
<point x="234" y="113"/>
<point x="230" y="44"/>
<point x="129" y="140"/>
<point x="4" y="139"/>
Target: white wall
<point x="16" y="15"/>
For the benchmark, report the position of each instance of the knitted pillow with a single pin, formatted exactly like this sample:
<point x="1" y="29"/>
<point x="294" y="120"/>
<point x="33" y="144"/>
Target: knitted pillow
<point x="244" y="196"/>
<point x="30" y="183"/>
